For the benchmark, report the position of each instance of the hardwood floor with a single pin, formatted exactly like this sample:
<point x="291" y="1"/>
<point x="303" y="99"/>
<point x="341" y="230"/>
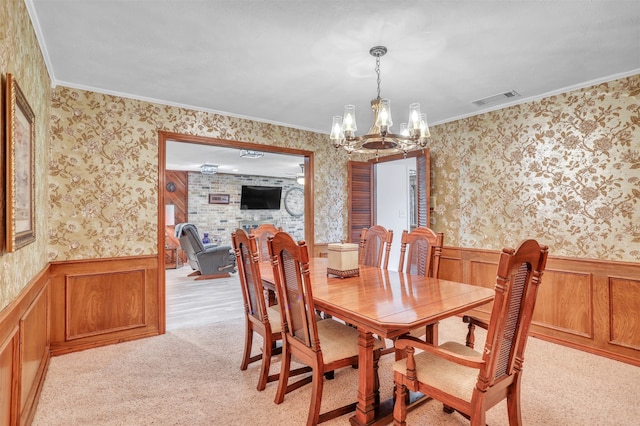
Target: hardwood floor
<point x="192" y="303"/>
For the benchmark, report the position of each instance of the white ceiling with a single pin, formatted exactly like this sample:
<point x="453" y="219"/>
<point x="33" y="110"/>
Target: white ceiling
<point x="188" y="156"/>
<point x="298" y="62"/>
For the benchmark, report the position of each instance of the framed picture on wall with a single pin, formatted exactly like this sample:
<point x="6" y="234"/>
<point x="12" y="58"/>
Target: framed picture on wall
<point x="218" y="198"/>
<point x="20" y="165"/>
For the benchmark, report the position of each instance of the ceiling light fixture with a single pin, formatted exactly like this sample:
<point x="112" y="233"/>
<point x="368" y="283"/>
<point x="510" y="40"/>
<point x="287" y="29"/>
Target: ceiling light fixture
<point x="412" y="134"/>
<point x="209" y="169"/>
<point x="249" y="153"/>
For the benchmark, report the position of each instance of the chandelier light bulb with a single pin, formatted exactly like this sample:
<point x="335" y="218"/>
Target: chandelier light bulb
<point x="384" y="115"/>
<point x="424" y="127"/>
<point x="349" y="121"/>
<point x="337" y="135"/>
<point x="414" y="119"/>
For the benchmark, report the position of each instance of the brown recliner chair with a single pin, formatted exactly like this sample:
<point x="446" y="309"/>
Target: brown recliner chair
<point x="207" y="260"/>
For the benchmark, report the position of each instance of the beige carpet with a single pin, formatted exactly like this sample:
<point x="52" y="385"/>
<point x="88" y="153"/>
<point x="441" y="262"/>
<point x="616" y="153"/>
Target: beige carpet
<point x="191" y="376"/>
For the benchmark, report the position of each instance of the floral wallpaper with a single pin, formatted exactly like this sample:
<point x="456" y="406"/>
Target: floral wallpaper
<point x="104" y="171"/>
<point x="564" y="170"/>
<point x="20" y="56"/>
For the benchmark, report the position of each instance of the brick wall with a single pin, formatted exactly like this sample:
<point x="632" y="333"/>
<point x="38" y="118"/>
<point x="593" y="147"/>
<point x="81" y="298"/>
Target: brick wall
<point x="220" y="220"/>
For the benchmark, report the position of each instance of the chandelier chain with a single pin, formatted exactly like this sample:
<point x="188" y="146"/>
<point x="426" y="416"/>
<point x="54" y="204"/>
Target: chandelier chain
<point x="378" y="72"/>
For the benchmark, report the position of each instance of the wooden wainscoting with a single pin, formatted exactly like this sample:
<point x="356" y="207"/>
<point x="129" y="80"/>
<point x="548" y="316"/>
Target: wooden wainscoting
<point x="24" y="351"/>
<point x="591" y="305"/>
<point x="9" y="363"/>
<point x="71" y="306"/>
<point x="103" y="301"/>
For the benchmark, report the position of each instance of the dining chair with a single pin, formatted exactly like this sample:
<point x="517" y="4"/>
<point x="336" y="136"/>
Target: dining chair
<point x="259" y="318"/>
<point x="422" y="249"/>
<point x="468" y="381"/>
<point x="325" y="345"/>
<point x="375" y="245"/>
<point x="262" y="233"/>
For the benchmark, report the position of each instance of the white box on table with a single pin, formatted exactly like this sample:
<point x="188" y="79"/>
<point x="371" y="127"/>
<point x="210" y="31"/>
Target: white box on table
<point x="343" y="260"/>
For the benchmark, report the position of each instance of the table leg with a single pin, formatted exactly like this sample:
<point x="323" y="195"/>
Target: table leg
<point x="432" y="334"/>
<point x="368" y="392"/>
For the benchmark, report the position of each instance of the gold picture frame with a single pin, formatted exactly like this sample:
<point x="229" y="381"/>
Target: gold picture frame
<point x="20" y="166"/>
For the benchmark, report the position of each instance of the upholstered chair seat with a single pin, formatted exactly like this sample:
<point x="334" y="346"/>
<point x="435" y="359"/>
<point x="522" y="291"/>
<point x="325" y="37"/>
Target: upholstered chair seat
<point x="455" y="379"/>
<point x="339" y="341"/>
<point x="274" y="318"/>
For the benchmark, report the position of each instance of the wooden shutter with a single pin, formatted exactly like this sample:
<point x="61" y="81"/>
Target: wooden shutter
<point x="362" y="191"/>
<point x="423" y="181"/>
<point x="361" y="196"/>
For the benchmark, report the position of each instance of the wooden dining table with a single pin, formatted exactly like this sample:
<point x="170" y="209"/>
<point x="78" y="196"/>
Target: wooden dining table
<point x="387" y="304"/>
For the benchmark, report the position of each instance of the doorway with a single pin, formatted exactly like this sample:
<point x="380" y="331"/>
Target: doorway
<point x="306" y="169"/>
<point x="392" y="191"/>
<point x="395" y="206"/>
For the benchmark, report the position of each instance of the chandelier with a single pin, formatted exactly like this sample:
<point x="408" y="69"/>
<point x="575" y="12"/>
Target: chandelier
<point x="412" y="134"/>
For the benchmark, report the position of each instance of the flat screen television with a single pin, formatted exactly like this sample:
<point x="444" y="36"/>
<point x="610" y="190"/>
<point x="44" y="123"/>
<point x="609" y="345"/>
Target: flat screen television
<point x="260" y="197"/>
